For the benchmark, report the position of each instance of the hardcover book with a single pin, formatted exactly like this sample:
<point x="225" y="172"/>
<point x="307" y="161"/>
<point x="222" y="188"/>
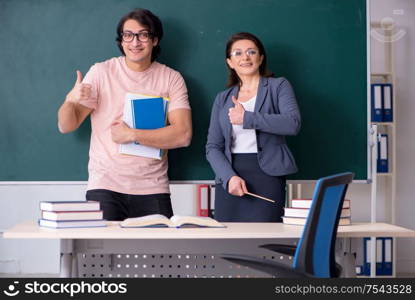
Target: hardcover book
<point x="69" y="205"/>
<point x="306" y="203"/>
<point x="177" y="221"/>
<point x="71" y="215"/>
<point x="72" y="224"/>
<point x="302" y="221"/>
<point x="303" y="212"/>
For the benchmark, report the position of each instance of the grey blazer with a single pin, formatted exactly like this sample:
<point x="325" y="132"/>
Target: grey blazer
<point x="276" y="114"/>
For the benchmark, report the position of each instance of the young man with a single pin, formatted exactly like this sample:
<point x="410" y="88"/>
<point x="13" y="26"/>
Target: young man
<point x="129" y="186"/>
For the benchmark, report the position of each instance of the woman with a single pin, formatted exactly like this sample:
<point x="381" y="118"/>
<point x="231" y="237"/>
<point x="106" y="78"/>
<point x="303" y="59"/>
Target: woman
<point x="246" y="146"/>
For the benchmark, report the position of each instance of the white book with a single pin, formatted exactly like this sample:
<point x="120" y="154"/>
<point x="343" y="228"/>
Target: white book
<point x="69" y="205"/>
<point x="302" y="221"/>
<point x="303" y="212"/>
<point x="306" y="203"/>
<point x="72" y="224"/>
<point x="71" y="215"/>
<point x="128" y="116"/>
<point x="177" y="221"/>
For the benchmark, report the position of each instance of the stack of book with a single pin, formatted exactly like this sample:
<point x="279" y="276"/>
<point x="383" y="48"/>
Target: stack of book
<point x="298" y="212"/>
<point x="70" y="214"/>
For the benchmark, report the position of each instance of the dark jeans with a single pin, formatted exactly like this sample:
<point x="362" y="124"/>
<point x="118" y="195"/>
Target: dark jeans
<point x="118" y="206"/>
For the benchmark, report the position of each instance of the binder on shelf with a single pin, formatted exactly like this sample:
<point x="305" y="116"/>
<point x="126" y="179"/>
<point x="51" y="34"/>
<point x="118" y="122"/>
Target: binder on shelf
<point x="387" y="264"/>
<point x="203" y="199"/>
<point x="383" y="256"/>
<point x="379" y="255"/>
<point x="367" y="257"/>
<point x="212" y="202"/>
<point x="387" y="102"/>
<point x="376" y="101"/>
<point x="382" y="160"/>
<point x="386" y="268"/>
<point x="382" y="102"/>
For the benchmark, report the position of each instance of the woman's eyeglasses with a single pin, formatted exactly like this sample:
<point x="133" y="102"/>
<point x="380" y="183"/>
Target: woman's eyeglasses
<point x="248" y="52"/>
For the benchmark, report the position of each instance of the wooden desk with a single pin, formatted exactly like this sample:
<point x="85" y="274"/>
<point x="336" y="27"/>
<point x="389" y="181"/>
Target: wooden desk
<point x="239" y="238"/>
<point x="30" y="230"/>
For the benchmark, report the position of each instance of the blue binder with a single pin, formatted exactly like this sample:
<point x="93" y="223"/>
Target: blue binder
<point x="387" y="96"/>
<point x="365" y="270"/>
<point x="382" y="160"/>
<point x="387" y="256"/>
<point x="385" y="266"/>
<point x="365" y="267"/>
<point x="383" y="256"/>
<point x="376" y="101"/>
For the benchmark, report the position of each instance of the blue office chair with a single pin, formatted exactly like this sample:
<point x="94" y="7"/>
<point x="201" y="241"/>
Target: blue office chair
<point x="314" y="255"/>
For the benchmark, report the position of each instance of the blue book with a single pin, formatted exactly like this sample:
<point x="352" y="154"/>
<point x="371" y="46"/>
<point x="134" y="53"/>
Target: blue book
<point x="148" y="113"/>
<point x="144" y="112"/>
<point x="387" y="95"/>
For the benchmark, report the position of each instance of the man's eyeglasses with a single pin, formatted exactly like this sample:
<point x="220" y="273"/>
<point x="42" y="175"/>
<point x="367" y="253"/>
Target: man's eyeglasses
<point x="142" y="36"/>
<point x="248" y="52"/>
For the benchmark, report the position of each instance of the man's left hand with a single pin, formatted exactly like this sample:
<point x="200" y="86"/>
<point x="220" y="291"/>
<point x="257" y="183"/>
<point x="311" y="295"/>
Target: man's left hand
<point x="121" y="133"/>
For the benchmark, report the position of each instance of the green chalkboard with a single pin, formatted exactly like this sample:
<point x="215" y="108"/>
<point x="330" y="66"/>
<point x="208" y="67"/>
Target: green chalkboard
<point x="319" y="46"/>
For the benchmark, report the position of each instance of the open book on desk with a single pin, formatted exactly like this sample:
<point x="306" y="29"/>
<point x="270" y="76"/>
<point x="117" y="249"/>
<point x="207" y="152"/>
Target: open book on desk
<point x="144" y="112"/>
<point x="157" y="220"/>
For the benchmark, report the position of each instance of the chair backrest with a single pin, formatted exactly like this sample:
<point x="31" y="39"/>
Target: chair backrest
<point x="315" y="253"/>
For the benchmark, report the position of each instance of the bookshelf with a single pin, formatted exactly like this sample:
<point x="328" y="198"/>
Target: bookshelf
<point x="386" y="182"/>
<point x="383" y="185"/>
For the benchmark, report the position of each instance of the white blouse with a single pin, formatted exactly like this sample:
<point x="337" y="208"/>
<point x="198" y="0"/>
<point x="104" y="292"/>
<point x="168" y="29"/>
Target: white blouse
<point x="244" y="140"/>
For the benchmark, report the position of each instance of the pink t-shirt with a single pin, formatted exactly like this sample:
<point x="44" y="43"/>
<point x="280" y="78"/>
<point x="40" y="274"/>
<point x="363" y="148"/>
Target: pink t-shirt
<point x="111" y="80"/>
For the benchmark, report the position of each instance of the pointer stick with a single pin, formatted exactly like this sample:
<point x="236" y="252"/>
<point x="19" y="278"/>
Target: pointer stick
<point x="258" y="196"/>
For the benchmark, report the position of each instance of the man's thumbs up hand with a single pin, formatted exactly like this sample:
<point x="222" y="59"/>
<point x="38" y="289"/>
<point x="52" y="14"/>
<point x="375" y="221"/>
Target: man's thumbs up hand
<point x="78" y="77"/>
<point x="80" y="91"/>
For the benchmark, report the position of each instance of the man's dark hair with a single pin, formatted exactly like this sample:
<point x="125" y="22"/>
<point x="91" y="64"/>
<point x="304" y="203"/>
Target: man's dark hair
<point x="233" y="78"/>
<point x="147" y="19"/>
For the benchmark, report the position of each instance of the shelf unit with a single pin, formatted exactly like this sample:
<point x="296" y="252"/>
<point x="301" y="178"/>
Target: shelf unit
<point x="387" y="181"/>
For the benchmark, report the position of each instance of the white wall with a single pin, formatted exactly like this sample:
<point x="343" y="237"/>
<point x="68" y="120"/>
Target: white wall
<point x="19" y="203"/>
